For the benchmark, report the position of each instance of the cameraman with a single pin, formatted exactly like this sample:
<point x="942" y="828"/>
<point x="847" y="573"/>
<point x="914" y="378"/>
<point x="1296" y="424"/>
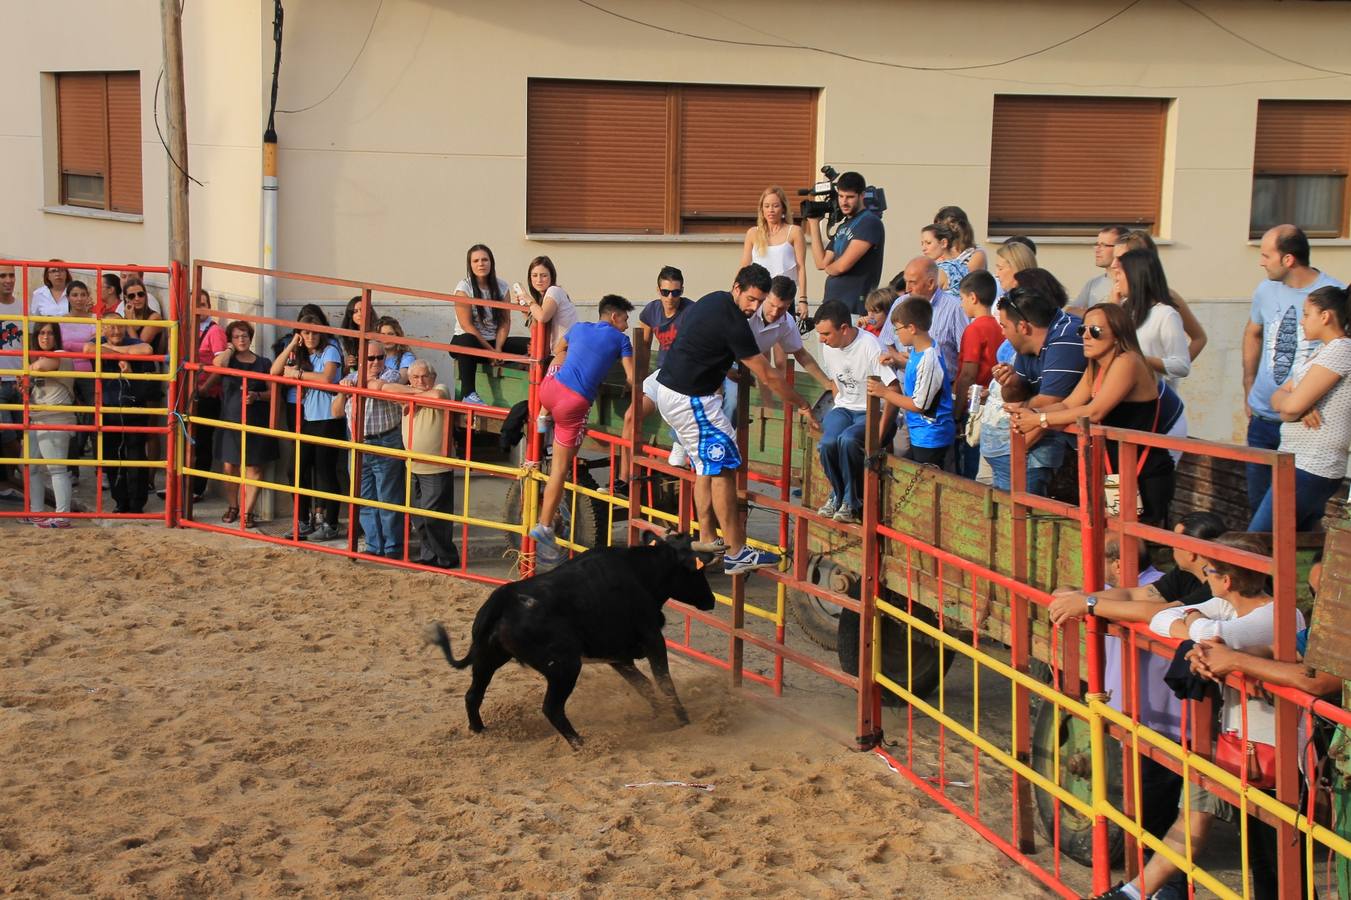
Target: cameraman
<point x="853" y="264"/>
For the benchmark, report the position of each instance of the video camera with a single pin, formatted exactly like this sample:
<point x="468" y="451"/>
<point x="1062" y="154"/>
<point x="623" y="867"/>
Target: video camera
<point x="828" y="208"/>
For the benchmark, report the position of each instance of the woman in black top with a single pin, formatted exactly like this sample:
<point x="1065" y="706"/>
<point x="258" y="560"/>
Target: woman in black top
<point x="251" y="408"/>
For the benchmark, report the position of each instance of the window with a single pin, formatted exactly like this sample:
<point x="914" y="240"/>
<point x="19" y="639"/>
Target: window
<point x="1300" y="163"/>
<point x="1070" y="165"/>
<point x="99" y="139"/>
<point x="633" y="158"/>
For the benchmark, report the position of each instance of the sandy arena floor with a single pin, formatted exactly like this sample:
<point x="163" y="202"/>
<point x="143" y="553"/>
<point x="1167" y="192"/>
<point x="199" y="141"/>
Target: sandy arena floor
<point x="191" y="715"/>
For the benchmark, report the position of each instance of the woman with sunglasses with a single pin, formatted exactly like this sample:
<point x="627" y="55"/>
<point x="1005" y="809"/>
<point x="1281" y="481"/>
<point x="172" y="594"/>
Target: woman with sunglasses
<point x="1315" y="409"/>
<point x="1118" y="389"/>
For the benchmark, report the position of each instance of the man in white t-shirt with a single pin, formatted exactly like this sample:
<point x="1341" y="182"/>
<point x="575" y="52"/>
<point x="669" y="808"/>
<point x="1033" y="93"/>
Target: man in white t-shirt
<point x="850" y="356"/>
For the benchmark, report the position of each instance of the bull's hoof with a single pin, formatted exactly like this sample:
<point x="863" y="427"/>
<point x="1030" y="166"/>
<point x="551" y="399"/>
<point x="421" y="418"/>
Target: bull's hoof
<point x="575" y="741"/>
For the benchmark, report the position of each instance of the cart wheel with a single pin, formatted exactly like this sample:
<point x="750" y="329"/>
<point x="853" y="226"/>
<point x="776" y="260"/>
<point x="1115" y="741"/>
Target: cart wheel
<point x="921" y="657"/>
<point x="1071" y="735"/>
<point x="586" y="531"/>
<point x="819" y="620"/>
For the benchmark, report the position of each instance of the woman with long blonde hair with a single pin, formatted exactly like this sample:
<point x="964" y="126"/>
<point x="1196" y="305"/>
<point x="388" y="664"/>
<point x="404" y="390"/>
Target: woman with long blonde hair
<point x="775" y="242"/>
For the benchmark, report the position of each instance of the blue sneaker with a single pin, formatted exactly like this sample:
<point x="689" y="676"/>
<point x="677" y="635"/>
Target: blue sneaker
<point x="547" y="550"/>
<point x="748" y="560"/>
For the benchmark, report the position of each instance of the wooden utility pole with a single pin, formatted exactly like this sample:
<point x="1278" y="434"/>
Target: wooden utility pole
<point x="175" y="114"/>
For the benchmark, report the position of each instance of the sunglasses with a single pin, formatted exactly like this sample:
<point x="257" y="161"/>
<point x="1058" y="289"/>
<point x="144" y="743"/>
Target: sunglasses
<point x="377" y="356"/>
<point x="135" y="295"/>
<point x="671" y="292"/>
<point x="1210" y="570"/>
<point x="1093" y="331"/>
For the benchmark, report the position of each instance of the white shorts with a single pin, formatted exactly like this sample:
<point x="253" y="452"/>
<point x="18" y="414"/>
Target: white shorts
<point x="650" y="386"/>
<point x="701" y="428"/>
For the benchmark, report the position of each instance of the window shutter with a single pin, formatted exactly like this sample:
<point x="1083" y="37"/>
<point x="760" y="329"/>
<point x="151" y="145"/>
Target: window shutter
<point x="737" y="141"/>
<point x="124" y="141"/>
<point x="1303" y="137"/>
<point x="1074" y="164"/>
<point x="82" y="128"/>
<point x="596" y="157"/>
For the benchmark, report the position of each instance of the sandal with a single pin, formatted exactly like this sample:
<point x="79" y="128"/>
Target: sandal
<point x="231" y="514"/>
<point x="250" y="521"/>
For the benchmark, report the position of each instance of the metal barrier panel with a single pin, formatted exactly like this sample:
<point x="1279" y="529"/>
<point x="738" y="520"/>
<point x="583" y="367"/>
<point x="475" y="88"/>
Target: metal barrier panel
<point x="287" y="421"/>
<point x="123" y="398"/>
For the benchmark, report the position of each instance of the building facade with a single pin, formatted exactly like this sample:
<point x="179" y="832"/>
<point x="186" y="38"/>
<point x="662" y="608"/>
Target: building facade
<point x="618" y="137"/>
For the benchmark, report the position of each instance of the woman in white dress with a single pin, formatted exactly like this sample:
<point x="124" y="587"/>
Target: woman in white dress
<point x="776" y="243"/>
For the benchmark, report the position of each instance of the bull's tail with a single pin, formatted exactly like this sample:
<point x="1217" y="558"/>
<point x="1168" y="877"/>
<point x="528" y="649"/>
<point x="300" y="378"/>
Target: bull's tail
<point x="436" y="634"/>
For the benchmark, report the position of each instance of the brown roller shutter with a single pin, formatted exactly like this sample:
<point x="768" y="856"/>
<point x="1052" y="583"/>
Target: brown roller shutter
<point x="82" y="123"/>
<point x="1073" y="164"/>
<point x="725" y="161"/>
<point x="124" y="141"/>
<point x="596" y="157"/>
<point x="1303" y="137"/>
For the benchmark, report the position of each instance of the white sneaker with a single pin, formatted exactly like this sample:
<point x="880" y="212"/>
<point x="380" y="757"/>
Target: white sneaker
<point x="473" y="397"/>
<point x="830" y="507"/>
<point x="678" y="457"/>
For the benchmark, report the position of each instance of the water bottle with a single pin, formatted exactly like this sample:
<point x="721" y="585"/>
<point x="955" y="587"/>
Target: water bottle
<point x="543" y="421"/>
<point x="973" y="401"/>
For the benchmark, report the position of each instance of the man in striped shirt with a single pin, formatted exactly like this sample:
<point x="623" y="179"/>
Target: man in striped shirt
<point x="381" y="476"/>
<point x="1049" y="364"/>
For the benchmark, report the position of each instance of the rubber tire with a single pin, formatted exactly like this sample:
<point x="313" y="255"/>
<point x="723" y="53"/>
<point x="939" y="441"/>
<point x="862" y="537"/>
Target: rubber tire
<point x="590" y="515"/>
<point x="1076" y="832"/>
<point x="894" y="653"/>
<point x="818" y="621"/>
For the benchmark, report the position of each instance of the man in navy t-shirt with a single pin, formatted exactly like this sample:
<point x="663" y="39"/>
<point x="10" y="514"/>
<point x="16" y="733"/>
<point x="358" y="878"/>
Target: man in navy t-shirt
<point x="582" y="357"/>
<point x="1048" y="367"/>
<point x="713" y="334"/>
<point x="853" y="263"/>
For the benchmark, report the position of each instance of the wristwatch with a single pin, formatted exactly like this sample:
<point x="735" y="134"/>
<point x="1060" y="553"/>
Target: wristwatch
<point x="1042" y="420"/>
<point x="1091" y="602"/>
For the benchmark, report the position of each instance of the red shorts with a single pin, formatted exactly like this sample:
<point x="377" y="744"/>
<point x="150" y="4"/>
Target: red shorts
<point x="569" y="410"/>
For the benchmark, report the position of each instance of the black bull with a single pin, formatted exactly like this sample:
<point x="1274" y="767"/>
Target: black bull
<point x="604" y="605"/>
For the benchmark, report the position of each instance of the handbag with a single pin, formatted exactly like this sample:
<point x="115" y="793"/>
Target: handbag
<point x="1253" y="761"/>
<point x="1111" y="484"/>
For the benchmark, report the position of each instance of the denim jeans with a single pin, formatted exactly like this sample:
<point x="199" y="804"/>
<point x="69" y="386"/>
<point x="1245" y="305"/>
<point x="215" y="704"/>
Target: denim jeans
<point x="1312" y="493"/>
<point x="841" y="451"/>
<point x="382" y="479"/>
<point x="1266" y="434"/>
<point x="1043" y="461"/>
<point x="1003" y="471"/>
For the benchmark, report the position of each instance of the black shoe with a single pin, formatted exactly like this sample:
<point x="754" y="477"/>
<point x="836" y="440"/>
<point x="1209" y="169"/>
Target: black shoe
<point x="394" y="554"/>
<point x="1116" y="892"/>
<point x="621" y="488"/>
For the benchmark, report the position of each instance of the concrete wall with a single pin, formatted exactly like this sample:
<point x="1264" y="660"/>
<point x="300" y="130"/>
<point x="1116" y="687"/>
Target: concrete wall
<point x="421" y="150"/>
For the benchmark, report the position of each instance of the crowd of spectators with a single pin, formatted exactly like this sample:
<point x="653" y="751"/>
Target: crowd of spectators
<point x="962" y="357"/>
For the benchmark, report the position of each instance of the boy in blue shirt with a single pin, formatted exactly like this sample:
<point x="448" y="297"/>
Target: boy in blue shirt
<point x="927" y="400"/>
<point x="582" y="357"/>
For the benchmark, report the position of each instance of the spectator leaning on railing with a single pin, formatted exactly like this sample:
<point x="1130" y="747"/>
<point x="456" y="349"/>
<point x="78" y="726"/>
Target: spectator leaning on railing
<point x="381" y="475"/>
<point x="1314" y="404"/>
<point x="1274" y="342"/>
<point x="424" y="432"/>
